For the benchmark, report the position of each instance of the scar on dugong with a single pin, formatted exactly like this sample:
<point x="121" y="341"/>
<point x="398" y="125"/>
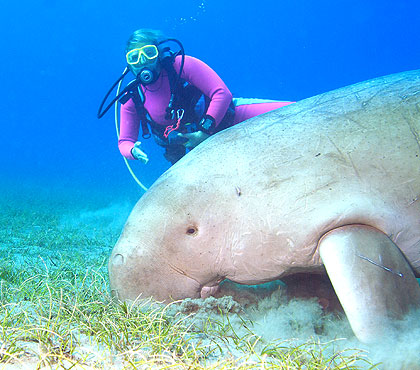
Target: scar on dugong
<point x="330" y="185"/>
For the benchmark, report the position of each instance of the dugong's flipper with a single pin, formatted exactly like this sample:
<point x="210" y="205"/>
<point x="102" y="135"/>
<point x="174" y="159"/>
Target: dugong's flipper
<point x="371" y="277"/>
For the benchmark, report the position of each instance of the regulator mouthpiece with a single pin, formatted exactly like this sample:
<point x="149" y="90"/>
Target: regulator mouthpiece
<point x="146" y="76"/>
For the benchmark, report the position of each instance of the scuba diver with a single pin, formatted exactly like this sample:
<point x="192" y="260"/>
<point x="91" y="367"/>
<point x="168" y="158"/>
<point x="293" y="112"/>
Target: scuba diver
<point x="176" y="98"/>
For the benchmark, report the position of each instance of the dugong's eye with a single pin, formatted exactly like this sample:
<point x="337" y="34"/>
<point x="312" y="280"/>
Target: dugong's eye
<point x="192" y="230"/>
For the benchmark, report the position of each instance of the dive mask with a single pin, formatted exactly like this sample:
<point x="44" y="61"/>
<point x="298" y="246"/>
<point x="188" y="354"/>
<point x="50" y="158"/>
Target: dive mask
<point x="143" y="62"/>
<point x="142" y="55"/>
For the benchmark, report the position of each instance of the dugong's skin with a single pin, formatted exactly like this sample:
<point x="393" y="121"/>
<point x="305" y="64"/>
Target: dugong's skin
<point x="251" y="203"/>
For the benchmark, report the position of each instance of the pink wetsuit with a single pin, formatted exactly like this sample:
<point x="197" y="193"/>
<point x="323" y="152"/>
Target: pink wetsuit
<point x="157" y="97"/>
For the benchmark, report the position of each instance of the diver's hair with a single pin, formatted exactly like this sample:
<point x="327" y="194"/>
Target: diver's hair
<point x="144" y="36"/>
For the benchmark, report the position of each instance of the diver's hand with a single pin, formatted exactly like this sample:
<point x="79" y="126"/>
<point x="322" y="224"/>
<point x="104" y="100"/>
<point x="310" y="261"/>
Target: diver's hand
<point x="138" y="153"/>
<point x="194" y="138"/>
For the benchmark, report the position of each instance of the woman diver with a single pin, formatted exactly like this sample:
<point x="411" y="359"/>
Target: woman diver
<point x="179" y="97"/>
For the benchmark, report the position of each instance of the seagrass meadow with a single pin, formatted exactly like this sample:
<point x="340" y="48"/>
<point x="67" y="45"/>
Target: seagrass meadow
<point x="56" y="311"/>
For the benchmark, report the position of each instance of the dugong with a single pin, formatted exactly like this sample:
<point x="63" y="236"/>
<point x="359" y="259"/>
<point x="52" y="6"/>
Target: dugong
<point x="330" y="184"/>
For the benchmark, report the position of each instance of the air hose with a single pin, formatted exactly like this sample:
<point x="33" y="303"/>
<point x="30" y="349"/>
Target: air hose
<point x="117" y="128"/>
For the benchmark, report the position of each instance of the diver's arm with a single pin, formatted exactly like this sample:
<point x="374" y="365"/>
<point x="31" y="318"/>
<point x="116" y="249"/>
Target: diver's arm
<point x="209" y="83"/>
<point x="129" y="129"/>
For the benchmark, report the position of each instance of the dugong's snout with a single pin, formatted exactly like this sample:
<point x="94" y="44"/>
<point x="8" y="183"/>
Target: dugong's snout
<point x="133" y="277"/>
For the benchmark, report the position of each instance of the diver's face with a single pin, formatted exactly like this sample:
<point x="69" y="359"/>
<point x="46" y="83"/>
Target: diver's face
<point x="143" y="56"/>
<point x="153" y="65"/>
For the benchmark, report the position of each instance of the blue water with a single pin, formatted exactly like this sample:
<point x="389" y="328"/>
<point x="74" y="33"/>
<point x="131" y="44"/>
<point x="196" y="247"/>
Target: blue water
<point x="60" y="57"/>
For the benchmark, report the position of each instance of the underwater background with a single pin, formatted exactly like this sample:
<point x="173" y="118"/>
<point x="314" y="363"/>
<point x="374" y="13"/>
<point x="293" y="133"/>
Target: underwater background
<point x="64" y="189"/>
<point x="60" y="57"/>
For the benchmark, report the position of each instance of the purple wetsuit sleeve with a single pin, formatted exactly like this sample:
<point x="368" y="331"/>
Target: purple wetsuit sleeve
<point x="209" y="83"/>
<point x="129" y="128"/>
<point x="247" y="111"/>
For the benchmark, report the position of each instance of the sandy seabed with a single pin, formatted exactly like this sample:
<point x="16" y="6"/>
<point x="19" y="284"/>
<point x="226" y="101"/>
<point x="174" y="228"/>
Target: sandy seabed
<point x="56" y="311"/>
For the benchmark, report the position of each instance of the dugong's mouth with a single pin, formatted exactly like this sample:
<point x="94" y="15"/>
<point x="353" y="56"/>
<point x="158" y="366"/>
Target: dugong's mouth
<point x="132" y="278"/>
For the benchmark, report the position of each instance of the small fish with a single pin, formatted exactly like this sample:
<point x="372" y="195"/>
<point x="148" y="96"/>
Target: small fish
<point x="381" y="266"/>
<point x="238" y="191"/>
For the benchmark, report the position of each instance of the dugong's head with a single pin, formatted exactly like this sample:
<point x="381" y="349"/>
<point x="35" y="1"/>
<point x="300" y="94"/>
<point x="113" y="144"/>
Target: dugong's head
<point x="171" y="246"/>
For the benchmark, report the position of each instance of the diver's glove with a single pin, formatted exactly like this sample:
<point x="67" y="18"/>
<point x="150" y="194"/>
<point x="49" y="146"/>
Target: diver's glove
<point x="194" y="138"/>
<point x="138" y="153"/>
<point x="207" y="124"/>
